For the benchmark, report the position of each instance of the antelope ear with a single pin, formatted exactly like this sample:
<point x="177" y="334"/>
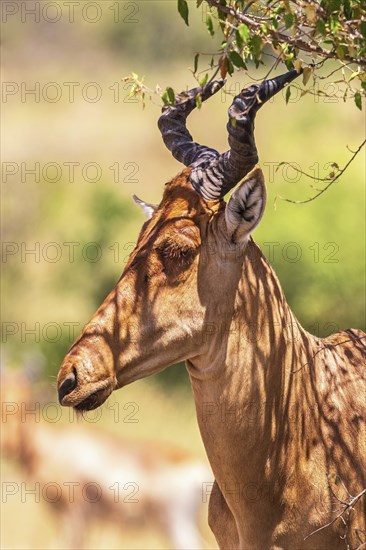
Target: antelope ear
<point x="149" y="209"/>
<point x="246" y="206"/>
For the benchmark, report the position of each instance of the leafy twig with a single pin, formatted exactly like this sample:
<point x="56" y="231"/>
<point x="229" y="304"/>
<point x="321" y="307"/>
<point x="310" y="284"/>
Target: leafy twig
<point x="282" y="37"/>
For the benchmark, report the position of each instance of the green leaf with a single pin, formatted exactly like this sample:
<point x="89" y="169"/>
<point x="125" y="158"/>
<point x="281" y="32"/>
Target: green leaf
<point x="256" y="48"/>
<point x="353" y="75"/>
<point x="210" y="26"/>
<point x="196" y="57"/>
<point x="274" y="22"/>
<point x="221" y="14"/>
<point x="289" y="64"/>
<point x="198" y="101"/>
<point x="289" y="20"/>
<point x="361" y="52"/>
<point x="347" y="9"/>
<point x="168" y="96"/>
<point x="244" y="32"/>
<point x="230" y="66"/>
<point x="164" y="97"/>
<point x="320" y="27"/>
<point x="363" y="28"/>
<point x="171" y="95"/>
<point x="363" y="84"/>
<point x="334" y="23"/>
<point x="288" y="94"/>
<point x="204" y="80"/>
<point x="358" y="100"/>
<point x="236" y="60"/>
<point x="239" y="40"/>
<point x="183" y="10"/>
<point x="341" y="51"/>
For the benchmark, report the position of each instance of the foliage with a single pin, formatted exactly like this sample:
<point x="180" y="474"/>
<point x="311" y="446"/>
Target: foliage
<point x="298" y="33"/>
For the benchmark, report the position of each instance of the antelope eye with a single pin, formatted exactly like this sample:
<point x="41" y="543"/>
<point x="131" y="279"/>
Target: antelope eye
<point x="178" y="250"/>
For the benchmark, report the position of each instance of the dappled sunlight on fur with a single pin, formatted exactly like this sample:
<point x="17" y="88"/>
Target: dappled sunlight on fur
<point x="273" y="402"/>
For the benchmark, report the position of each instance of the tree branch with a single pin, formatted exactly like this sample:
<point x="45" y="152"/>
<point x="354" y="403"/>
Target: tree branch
<point x="281" y="37"/>
<point x="333" y="180"/>
<point x="347" y="507"/>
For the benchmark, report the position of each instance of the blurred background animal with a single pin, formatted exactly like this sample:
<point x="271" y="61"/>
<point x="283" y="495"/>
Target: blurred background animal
<point x="85" y="474"/>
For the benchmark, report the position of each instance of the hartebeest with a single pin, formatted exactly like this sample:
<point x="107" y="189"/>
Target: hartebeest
<point x="281" y="412"/>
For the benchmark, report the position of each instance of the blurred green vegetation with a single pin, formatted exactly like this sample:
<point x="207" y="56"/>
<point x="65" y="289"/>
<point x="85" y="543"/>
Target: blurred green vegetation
<point x="324" y="286"/>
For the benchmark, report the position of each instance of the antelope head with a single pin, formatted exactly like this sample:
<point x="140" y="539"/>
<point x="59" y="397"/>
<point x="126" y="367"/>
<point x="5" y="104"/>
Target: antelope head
<point x="184" y="269"/>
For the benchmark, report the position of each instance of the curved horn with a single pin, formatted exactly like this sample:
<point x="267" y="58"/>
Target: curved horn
<point x="172" y="125"/>
<point x="214" y="177"/>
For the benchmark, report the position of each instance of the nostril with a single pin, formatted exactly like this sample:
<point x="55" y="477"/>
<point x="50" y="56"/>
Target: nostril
<point x="68" y="385"/>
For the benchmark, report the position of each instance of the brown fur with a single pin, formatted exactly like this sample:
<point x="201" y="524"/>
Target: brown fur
<point x="281" y="412"/>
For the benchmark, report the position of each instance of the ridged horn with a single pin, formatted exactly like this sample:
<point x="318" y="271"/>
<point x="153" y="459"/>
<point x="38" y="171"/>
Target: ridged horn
<point x="214" y="177"/>
<point x="172" y="125"/>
